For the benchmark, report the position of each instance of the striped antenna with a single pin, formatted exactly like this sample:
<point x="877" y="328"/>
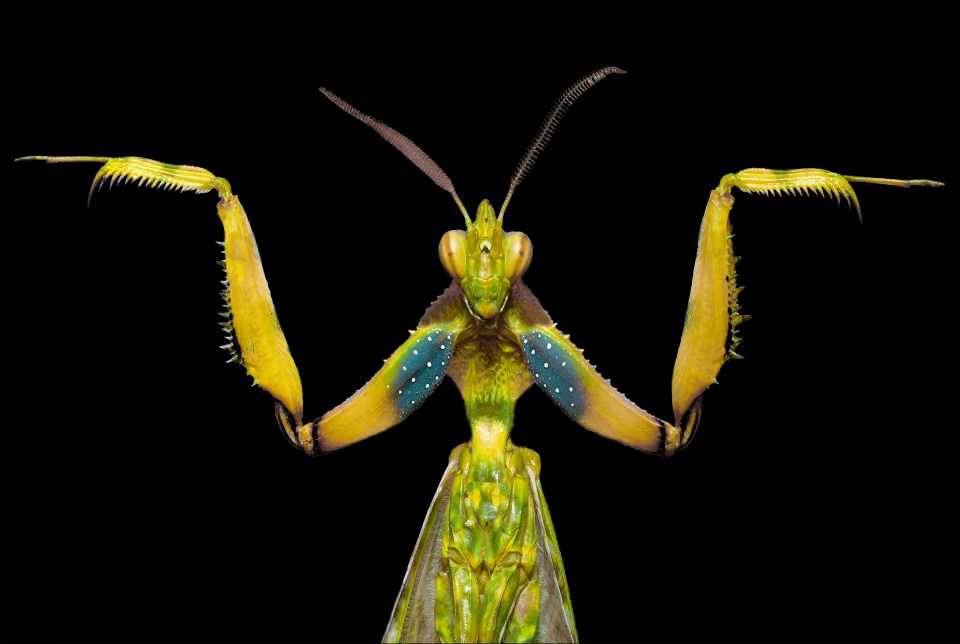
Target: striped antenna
<point x="560" y="108"/>
<point x="407" y="147"/>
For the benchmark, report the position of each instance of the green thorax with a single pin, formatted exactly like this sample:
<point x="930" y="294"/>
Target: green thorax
<point x="489" y="554"/>
<point x="489" y="370"/>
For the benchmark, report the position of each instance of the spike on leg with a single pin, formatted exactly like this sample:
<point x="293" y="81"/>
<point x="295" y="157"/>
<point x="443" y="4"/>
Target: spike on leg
<point x="713" y="311"/>
<point x="251" y="320"/>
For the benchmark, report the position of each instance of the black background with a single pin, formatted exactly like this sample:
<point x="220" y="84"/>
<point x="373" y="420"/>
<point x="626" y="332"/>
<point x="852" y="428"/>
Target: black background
<point x="148" y="494"/>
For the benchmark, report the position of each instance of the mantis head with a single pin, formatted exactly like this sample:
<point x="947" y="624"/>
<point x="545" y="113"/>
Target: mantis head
<point x="483" y="260"/>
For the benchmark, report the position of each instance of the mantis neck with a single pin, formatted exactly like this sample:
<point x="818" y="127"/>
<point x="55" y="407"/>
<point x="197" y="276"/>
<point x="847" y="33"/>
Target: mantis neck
<point x="490" y="427"/>
<point x="489" y="371"/>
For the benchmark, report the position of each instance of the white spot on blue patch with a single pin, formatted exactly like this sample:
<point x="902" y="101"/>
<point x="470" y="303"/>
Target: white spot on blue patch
<point x="424" y="360"/>
<point x="552" y="373"/>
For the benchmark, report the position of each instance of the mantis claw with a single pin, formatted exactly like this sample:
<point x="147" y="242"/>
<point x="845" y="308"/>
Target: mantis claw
<point x="710" y="329"/>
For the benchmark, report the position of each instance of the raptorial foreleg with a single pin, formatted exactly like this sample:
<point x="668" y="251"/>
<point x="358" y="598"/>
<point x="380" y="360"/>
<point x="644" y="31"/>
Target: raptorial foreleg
<point x="710" y="329"/>
<point x="254" y="337"/>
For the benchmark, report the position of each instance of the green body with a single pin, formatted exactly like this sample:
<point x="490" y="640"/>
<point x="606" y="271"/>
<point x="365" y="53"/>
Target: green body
<point x="488" y="539"/>
<point x="490" y="580"/>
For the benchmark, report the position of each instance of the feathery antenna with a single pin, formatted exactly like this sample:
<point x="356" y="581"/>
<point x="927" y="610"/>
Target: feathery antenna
<point x="407" y="147"/>
<point x="560" y="108"/>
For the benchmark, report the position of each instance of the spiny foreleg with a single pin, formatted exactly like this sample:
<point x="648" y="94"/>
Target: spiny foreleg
<point x="710" y="329"/>
<point x="254" y="337"/>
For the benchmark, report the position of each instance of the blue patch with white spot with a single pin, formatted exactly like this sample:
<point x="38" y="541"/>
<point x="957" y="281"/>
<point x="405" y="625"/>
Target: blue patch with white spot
<point x="551" y="365"/>
<point x="421" y="369"/>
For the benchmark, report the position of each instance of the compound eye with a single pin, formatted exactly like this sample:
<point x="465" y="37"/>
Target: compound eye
<point x="519" y="252"/>
<point x="453" y="253"/>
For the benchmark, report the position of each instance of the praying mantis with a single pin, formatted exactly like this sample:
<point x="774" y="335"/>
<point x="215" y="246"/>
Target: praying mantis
<point x="560" y="535"/>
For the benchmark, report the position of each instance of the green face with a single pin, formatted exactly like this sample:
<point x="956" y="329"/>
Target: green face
<point x="485" y="261"/>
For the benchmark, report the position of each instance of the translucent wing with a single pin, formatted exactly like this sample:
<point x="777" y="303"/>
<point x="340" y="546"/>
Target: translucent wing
<point x="414" y="617"/>
<point x="413" y="613"/>
<point x="556" y="612"/>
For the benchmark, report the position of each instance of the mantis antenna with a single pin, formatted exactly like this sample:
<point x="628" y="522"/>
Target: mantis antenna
<point x="430" y="168"/>
<point x="563" y="103"/>
<point x="407" y="147"/>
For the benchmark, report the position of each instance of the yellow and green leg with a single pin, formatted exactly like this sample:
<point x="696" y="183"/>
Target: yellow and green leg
<point x="256" y="340"/>
<point x="254" y="335"/>
<point x="709" y="336"/>
<point x="710" y="329"/>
